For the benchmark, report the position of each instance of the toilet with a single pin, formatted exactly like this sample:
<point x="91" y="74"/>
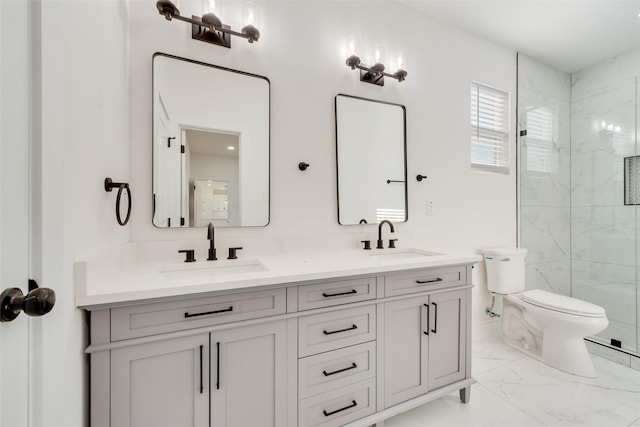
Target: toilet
<point x="542" y="324"/>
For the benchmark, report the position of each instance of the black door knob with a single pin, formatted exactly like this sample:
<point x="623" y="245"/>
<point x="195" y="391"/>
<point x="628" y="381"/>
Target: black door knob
<point x="36" y="303"/>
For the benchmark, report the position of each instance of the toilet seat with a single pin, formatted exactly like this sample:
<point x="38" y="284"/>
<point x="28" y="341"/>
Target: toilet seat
<point x="562" y="304"/>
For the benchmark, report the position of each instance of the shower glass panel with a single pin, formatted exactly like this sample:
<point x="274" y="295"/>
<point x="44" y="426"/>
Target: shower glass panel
<point x="576" y="133"/>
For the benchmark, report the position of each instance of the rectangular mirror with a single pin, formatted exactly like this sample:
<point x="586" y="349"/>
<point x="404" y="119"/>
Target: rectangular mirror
<point x="210" y="145"/>
<point x="371" y="156"/>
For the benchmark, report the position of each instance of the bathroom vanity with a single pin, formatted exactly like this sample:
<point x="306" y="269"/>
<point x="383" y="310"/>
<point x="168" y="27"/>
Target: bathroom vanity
<point x="281" y="340"/>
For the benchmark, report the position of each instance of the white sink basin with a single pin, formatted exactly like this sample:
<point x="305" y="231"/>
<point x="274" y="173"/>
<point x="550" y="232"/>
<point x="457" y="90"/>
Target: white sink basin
<point x="212" y="269"/>
<point x="402" y="254"/>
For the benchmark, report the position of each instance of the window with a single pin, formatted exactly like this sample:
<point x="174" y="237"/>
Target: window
<point x="489" y="129"/>
<point x="541" y="133"/>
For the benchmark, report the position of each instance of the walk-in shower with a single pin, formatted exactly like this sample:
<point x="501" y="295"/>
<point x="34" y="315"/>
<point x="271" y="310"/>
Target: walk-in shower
<point x="579" y="187"/>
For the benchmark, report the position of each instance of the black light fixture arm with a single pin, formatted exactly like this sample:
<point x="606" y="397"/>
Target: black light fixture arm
<point x="208" y="22"/>
<point x="375" y="73"/>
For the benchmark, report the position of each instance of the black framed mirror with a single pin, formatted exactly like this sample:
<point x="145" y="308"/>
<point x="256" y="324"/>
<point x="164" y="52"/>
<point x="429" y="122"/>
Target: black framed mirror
<point x="211" y="140"/>
<point x="371" y="153"/>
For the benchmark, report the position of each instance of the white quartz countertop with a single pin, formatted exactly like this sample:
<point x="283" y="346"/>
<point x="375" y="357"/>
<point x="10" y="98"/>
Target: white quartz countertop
<point x="117" y="279"/>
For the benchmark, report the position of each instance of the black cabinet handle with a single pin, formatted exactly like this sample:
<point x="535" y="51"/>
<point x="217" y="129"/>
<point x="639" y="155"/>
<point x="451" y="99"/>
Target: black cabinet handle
<point x="439" y="279"/>
<point x="201" y="369"/>
<point x="217" y="366"/>
<point x="352" y="291"/>
<point x="353" y="404"/>
<point x="208" y="312"/>
<point x="353" y="366"/>
<point x="435" y="318"/>
<point x="427" y="331"/>
<point x="341" y="330"/>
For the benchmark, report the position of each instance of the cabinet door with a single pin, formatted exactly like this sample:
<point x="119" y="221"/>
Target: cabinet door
<point x="248" y="376"/>
<point x="161" y="384"/>
<point x="406" y="349"/>
<point x="447" y="338"/>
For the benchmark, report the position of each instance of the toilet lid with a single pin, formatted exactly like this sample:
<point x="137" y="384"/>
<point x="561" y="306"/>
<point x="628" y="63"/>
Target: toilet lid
<point x="562" y="303"/>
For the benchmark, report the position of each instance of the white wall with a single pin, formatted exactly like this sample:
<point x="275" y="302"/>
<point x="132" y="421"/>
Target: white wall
<point x="300" y="51"/>
<point x="82" y="129"/>
<point x="96" y="122"/>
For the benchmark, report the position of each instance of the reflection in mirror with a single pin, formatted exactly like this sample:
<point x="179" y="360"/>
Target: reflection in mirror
<point x="210" y="145"/>
<point x="371" y="155"/>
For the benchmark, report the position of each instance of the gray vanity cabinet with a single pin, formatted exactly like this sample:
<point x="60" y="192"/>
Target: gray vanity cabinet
<point x="406" y="350"/>
<point x="447" y="337"/>
<point x="161" y="384"/>
<point x="238" y="374"/>
<point x="248" y="376"/>
<point x="425" y="344"/>
<point x="351" y="350"/>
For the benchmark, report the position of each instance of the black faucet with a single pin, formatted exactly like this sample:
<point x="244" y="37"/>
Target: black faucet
<point x="212" y="248"/>
<point x="380" y="245"/>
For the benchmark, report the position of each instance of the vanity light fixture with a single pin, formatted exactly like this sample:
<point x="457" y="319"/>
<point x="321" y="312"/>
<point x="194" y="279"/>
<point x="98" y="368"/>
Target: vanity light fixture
<point x="375" y="73"/>
<point x="209" y="28"/>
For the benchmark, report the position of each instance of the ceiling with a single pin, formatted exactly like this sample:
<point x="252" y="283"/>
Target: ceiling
<point x="568" y="34"/>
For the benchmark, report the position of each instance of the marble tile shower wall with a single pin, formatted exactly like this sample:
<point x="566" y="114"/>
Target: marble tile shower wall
<point x="545" y="182"/>
<point x="582" y="240"/>
<point x="604" y="236"/>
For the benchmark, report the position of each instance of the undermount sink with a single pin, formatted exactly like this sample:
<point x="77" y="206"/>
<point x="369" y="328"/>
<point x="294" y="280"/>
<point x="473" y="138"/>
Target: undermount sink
<point x="402" y="254"/>
<point x="213" y="269"/>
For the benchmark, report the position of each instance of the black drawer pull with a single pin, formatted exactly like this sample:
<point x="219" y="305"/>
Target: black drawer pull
<point x="352" y="291"/>
<point x="327" y="414"/>
<point x="208" y="312"/>
<point x="435" y="318"/>
<point x="353" y="366"/>
<point x="341" y="330"/>
<point x="427" y="331"/>
<point x="439" y="279"/>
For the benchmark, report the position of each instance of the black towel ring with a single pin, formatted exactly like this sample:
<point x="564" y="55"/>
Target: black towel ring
<point x="109" y="185"/>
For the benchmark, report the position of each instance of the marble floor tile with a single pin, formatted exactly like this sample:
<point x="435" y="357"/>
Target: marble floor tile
<point x="491" y="353"/>
<point x="516" y="390"/>
<point x="556" y="398"/>
<point x="485" y="409"/>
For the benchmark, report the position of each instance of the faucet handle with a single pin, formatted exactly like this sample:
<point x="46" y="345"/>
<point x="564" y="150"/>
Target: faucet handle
<point x="232" y="252"/>
<point x="190" y="254"/>
<point x="367" y="244"/>
<point x="392" y="243"/>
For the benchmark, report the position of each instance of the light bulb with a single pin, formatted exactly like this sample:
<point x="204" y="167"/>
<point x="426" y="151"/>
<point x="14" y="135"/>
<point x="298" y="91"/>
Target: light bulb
<point x="401" y="62"/>
<point x="352" y="46"/>
<point x="378" y="54"/>
<point x="251" y="15"/>
<point x="210" y="6"/>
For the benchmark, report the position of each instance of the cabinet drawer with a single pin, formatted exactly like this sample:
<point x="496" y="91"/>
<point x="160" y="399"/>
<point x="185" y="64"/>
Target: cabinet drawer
<point x="425" y="280"/>
<point x="338" y="407"/>
<point x="328" y="331"/>
<point x="328" y="371"/>
<point x="152" y="319"/>
<point x="335" y="293"/>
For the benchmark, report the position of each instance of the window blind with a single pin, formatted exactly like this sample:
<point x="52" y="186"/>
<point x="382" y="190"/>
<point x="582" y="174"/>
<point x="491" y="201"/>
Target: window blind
<point x="489" y="129"/>
<point x="540" y="137"/>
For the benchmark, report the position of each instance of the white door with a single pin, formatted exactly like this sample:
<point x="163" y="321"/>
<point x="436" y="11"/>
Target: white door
<point x="14" y="207"/>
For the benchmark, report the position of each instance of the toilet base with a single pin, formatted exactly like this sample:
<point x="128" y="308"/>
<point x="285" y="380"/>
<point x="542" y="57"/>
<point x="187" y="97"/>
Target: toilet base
<point x="569" y="355"/>
<point x="550" y="337"/>
<point x="579" y="363"/>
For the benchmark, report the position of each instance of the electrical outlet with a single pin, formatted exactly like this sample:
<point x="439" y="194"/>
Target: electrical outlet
<point x="430" y="210"/>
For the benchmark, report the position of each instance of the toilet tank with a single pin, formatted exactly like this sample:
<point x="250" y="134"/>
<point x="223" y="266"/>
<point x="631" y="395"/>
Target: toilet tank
<point x="505" y="269"/>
